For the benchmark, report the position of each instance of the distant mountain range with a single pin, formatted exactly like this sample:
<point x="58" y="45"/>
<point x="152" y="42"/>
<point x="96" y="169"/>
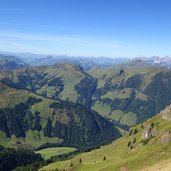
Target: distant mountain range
<point x="19" y="60"/>
<point x="11" y="62"/>
<point x="159" y="61"/>
<point x="85" y="62"/>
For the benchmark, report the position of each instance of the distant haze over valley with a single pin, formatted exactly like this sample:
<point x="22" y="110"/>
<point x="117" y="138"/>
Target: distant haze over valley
<point x="30" y="59"/>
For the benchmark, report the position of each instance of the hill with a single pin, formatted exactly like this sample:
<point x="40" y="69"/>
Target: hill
<point x="11" y="62"/>
<point x="29" y="120"/>
<point x="145" y="147"/>
<point x="130" y="95"/>
<point x="64" y="81"/>
<point x="126" y="94"/>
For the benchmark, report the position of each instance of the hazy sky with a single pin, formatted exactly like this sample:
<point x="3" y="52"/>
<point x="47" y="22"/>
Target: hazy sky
<point x="114" y="28"/>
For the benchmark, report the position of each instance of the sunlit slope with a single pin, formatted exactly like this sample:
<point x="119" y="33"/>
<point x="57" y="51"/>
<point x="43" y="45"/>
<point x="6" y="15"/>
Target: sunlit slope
<point x="144" y="146"/>
<point x="47" y="153"/>
<point x="130" y="95"/>
<point x="63" y="81"/>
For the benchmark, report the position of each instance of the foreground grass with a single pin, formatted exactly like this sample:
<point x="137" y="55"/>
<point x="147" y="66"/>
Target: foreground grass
<point x="50" y="152"/>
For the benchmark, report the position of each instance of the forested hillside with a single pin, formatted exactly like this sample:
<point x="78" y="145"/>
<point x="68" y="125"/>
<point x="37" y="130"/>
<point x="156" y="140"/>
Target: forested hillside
<point x="31" y="121"/>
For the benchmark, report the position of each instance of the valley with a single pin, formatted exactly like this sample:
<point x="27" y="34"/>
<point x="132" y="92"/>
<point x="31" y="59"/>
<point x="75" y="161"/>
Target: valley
<point x="123" y="94"/>
<point x="64" y="108"/>
<point x="85" y="85"/>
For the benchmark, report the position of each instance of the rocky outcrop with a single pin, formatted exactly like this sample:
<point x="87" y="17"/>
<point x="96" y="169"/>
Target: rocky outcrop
<point x="149" y="131"/>
<point x="166" y="113"/>
<point x="165" y="139"/>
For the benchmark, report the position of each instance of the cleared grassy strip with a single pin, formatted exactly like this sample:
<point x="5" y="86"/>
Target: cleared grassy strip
<point x="47" y="153"/>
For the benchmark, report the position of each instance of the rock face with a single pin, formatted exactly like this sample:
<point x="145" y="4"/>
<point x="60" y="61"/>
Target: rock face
<point x="166" y="138"/>
<point x="166" y="113"/>
<point x="149" y="131"/>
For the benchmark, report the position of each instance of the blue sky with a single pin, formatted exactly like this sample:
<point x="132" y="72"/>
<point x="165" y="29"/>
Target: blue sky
<point x="113" y="28"/>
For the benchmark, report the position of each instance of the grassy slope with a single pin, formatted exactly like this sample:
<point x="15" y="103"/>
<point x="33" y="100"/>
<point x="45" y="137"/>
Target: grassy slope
<point x="103" y="75"/>
<point x="119" y="156"/>
<point x="164" y="165"/>
<point x="70" y="76"/>
<point x="33" y="139"/>
<point x="47" y="153"/>
<point x="70" y="79"/>
<point x="8" y="96"/>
